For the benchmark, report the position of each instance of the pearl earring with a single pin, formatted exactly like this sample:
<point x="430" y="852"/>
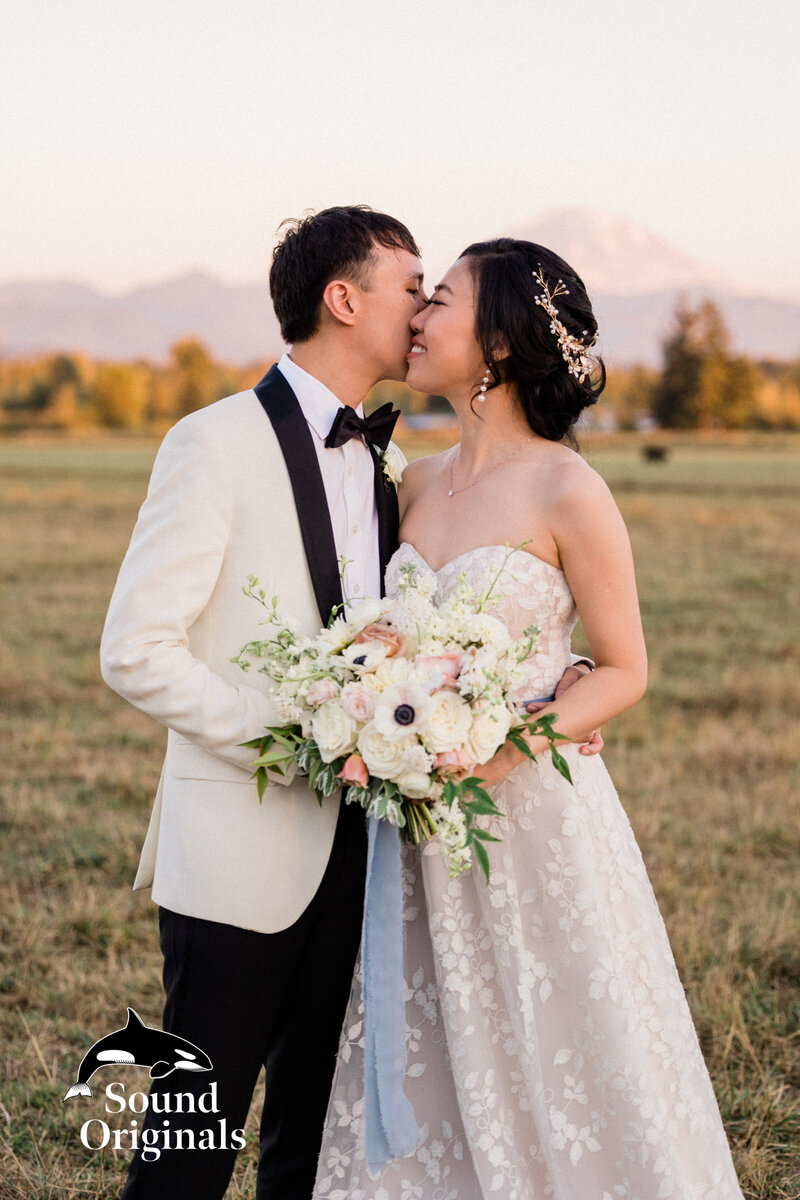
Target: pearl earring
<point x="484" y="383"/>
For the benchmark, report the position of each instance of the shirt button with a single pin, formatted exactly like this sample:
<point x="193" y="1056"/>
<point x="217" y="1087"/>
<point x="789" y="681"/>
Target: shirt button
<point x="357" y="587"/>
<point x="354" y="529"/>
<point x="350" y="471"/>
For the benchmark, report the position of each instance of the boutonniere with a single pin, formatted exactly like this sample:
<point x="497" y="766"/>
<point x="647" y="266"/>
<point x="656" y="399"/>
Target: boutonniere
<point x="392" y="464"/>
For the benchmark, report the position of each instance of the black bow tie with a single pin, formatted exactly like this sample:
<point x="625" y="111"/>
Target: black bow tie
<point x="375" y="429"/>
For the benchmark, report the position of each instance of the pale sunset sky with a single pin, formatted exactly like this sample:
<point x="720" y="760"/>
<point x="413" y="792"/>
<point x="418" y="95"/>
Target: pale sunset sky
<point x="144" y="139"/>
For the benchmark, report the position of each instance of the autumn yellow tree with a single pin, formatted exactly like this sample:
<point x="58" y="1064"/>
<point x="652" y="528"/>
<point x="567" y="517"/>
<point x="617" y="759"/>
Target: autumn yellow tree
<point x="120" y="395"/>
<point x="192" y="377"/>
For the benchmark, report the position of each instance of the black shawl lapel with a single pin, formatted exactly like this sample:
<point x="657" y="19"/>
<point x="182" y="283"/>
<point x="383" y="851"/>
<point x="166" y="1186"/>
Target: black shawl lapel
<point x="291" y="429"/>
<point x="388" y="514"/>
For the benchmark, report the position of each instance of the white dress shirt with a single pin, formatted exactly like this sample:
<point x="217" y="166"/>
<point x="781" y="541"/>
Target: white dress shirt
<point x="349" y="480"/>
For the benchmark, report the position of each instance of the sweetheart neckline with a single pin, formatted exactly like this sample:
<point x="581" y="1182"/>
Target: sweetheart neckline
<point x="474" y="550"/>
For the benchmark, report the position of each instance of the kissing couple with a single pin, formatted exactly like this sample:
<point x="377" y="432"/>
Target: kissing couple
<point x="549" y="1047"/>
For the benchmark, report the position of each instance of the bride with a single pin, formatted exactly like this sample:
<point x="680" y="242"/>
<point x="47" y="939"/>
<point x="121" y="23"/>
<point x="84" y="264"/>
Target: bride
<point x="551" y="1052"/>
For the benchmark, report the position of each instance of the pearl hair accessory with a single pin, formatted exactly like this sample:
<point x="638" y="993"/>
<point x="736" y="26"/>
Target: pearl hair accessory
<point x="484" y="384"/>
<point x="574" y="352"/>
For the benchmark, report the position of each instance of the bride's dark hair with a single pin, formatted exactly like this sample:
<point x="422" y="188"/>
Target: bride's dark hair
<point x="505" y="309"/>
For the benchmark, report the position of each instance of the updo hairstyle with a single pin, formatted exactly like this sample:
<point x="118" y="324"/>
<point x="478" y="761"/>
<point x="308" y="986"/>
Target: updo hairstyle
<point x="505" y="308"/>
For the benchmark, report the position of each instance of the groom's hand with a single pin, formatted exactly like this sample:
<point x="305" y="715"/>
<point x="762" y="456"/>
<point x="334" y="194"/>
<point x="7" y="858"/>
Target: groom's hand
<point x="594" y="743"/>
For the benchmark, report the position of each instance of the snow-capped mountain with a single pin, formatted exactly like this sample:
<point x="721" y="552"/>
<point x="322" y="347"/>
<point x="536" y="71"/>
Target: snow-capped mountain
<point x="620" y="257"/>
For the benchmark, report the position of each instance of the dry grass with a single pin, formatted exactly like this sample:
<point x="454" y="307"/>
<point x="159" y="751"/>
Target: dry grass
<point x="707" y="765"/>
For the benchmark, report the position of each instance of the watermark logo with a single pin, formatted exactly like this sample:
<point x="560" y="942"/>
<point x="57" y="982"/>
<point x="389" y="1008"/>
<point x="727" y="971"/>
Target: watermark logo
<point x="139" y="1045"/>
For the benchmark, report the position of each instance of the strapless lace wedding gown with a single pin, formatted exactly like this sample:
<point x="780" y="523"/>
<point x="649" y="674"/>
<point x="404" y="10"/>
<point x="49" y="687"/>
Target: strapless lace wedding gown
<point x="551" y="1052"/>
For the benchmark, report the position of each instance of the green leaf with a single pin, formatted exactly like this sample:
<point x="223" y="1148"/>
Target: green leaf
<point x="485" y="836"/>
<point x="482" y="858"/>
<point x="517" y="738"/>
<point x="272" y="758"/>
<point x="483" y="806"/>
<point x="560" y="764"/>
<point x="288" y="741"/>
<point x="473" y="787"/>
<point x="262" y="783"/>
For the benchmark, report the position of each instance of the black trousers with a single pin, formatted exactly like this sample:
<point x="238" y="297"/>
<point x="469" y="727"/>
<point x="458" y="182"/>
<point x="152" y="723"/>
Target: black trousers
<point x="248" y="999"/>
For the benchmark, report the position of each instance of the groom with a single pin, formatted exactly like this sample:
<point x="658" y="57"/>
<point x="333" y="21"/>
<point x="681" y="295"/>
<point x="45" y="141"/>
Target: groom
<point x="260" y="905"/>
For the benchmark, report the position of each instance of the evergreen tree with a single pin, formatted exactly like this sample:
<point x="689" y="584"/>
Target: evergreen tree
<point x="702" y="384"/>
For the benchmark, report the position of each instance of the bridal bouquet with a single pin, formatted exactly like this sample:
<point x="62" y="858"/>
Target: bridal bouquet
<point x="400" y="699"/>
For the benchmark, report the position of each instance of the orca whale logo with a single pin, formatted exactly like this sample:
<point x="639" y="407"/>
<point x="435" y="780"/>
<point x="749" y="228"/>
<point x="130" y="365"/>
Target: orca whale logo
<point x="139" y="1045"/>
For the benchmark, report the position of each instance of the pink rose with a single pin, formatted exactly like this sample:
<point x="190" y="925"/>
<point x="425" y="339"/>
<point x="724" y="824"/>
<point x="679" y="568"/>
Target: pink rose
<point x="320" y="691"/>
<point x="452" y="761"/>
<point x="442" y="669"/>
<point x="393" y="641"/>
<point x="358" y="701"/>
<point x="354" y="771"/>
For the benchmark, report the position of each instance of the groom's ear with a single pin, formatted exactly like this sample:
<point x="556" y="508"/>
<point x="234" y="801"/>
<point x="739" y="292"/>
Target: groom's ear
<point x="340" y="301"/>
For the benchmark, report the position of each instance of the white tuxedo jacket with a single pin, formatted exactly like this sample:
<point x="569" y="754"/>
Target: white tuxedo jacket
<point x="220" y="507"/>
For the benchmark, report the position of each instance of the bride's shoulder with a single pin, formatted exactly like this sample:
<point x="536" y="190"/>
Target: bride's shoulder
<point x="420" y="471"/>
<point x="578" y="494"/>
<point x="563" y="469"/>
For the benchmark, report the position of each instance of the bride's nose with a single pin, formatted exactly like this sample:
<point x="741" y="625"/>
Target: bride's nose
<point x="418" y="320"/>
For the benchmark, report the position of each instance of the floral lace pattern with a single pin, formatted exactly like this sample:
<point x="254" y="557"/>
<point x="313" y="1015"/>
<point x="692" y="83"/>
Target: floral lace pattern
<point x="551" y="1053"/>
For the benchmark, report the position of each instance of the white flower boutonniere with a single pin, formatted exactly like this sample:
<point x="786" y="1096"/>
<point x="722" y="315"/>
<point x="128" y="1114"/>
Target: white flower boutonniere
<point x="392" y="463"/>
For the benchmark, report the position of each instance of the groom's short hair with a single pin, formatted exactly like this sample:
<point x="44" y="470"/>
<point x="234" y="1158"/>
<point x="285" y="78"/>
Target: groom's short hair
<point x="336" y="243"/>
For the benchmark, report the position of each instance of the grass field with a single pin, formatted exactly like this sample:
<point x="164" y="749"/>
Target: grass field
<point x="707" y="766"/>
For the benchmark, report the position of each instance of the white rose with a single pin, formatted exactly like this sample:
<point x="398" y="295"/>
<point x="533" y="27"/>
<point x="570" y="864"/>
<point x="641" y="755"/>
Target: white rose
<point x="395" y="670"/>
<point x="394" y="463"/>
<point x="414" y="784"/>
<point x="447" y="723"/>
<point x="488" y="733"/>
<point x="334" y="639"/>
<point x="334" y="732"/>
<point x="367" y="611"/>
<point x="391" y="671"/>
<point x="384" y="758"/>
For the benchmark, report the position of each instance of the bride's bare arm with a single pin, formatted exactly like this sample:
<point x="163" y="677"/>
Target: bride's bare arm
<point x="595" y="554"/>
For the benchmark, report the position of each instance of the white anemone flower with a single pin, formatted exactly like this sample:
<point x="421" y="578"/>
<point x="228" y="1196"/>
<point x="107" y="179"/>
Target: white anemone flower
<point x="401" y="710"/>
<point x="364" y="656"/>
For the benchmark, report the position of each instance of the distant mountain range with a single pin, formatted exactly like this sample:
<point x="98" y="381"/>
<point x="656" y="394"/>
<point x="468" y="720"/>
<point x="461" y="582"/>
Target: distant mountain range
<point x="633" y="276"/>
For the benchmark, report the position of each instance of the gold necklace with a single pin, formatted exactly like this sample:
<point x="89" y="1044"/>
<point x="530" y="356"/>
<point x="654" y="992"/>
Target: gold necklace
<point x="457" y="491"/>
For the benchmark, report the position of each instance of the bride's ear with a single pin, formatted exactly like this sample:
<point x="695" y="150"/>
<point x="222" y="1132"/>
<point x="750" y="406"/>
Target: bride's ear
<point x="339" y="300"/>
<point x="500" y="349"/>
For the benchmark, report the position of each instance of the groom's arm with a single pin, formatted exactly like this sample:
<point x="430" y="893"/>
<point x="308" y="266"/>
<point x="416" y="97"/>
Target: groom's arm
<point x="166" y="580"/>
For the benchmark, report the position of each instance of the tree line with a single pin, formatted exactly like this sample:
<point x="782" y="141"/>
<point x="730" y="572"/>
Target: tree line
<point x="701" y="384"/>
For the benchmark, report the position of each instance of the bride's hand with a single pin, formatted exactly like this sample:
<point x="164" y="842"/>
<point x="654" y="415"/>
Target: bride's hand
<point x="496" y="769"/>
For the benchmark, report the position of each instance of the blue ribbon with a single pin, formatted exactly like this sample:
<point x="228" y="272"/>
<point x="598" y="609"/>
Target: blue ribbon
<point x="390" y="1128"/>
